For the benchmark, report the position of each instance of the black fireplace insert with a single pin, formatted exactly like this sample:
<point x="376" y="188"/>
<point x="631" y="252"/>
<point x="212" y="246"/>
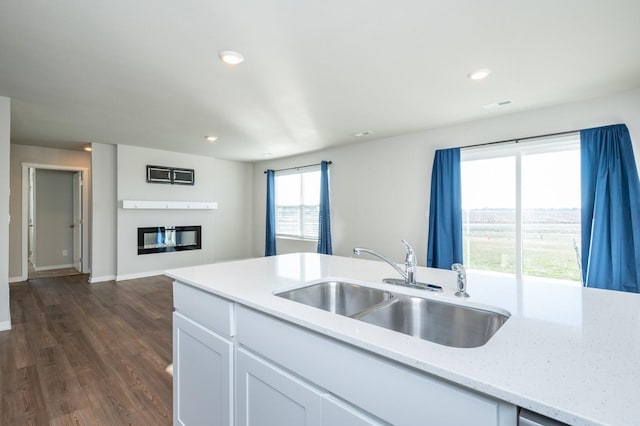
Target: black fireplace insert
<point x="160" y="239"/>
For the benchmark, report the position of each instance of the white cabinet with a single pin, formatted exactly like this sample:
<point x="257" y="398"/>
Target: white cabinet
<point x="381" y="388"/>
<point x="202" y="380"/>
<point x="266" y="395"/>
<point x="287" y="375"/>
<point x="338" y="413"/>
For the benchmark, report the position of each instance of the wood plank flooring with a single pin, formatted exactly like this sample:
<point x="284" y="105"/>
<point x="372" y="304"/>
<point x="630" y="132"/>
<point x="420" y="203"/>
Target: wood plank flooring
<point x="63" y="272"/>
<point x="87" y="354"/>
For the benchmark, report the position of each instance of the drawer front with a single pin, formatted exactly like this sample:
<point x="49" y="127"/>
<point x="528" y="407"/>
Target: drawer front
<point x="213" y="312"/>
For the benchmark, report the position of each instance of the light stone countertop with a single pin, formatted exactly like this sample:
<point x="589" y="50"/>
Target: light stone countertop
<point x="566" y="352"/>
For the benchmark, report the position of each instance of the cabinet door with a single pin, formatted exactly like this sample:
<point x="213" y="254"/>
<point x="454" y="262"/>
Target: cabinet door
<point x="202" y="375"/>
<point x="338" y="413"/>
<point x="266" y="395"/>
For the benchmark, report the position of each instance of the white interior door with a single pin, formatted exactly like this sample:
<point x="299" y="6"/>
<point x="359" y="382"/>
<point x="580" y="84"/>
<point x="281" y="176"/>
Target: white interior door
<point x="32" y="215"/>
<point x="77" y="221"/>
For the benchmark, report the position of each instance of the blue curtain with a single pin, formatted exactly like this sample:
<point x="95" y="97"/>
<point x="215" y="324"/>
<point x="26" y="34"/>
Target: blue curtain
<point x="445" y="211"/>
<point x="324" y="237"/>
<point x="270" y="236"/>
<point x="610" y="209"/>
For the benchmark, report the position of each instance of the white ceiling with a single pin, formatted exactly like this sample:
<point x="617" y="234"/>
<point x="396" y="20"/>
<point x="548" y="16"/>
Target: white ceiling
<point x="146" y="72"/>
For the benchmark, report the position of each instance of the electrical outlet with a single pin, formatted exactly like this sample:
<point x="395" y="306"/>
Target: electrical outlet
<point x="65" y="252"/>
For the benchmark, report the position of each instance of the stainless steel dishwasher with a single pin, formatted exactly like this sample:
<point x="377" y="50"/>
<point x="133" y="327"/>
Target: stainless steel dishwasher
<point x="529" y="418"/>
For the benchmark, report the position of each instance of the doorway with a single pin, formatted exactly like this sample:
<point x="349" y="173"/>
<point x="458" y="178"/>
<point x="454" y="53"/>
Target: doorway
<point x="54" y="221"/>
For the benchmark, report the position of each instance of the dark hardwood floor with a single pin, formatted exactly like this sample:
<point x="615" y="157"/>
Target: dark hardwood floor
<point x="87" y="354"/>
<point x="62" y="272"/>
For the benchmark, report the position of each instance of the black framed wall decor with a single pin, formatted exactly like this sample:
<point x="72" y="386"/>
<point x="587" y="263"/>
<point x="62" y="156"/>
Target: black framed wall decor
<point x="183" y="176"/>
<point x="171" y="175"/>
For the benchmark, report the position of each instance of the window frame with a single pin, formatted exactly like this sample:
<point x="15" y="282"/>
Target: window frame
<point x="301" y="236"/>
<point x="516" y="149"/>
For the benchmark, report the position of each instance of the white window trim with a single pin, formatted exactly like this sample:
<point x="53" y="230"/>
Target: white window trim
<point x="529" y="146"/>
<point x="296" y="171"/>
<point x="294" y="238"/>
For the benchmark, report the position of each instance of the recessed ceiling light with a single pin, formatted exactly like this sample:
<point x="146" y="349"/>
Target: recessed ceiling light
<point x="479" y="74"/>
<point x="211" y="138"/>
<point x="365" y="133"/>
<point x="87" y="148"/>
<point x="267" y="155"/>
<point x="230" y="57"/>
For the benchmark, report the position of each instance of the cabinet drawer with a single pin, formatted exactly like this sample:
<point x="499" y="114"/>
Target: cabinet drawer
<point x="213" y="312"/>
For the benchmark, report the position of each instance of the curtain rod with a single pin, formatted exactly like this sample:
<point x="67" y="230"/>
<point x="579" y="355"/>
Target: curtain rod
<point x="299" y="167"/>
<point x="516" y="140"/>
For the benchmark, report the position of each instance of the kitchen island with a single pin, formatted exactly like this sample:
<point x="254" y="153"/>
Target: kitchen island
<point x="566" y="352"/>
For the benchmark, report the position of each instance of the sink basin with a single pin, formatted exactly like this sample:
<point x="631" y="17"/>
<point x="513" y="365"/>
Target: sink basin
<point x="338" y="297"/>
<point x="443" y="323"/>
<point x="440" y="322"/>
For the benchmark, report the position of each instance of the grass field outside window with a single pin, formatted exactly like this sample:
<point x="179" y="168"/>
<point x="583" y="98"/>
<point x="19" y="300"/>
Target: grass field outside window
<point x="521" y="208"/>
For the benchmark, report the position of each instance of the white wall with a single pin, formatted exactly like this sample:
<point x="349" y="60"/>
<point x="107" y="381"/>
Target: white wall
<point x="380" y="189"/>
<point x="225" y="233"/>
<point x="233" y="190"/>
<point x="37" y="155"/>
<point x="53" y="217"/>
<point x="104" y="205"/>
<point x="5" y="122"/>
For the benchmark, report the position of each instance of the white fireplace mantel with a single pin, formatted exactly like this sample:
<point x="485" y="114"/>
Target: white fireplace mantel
<point x="174" y="205"/>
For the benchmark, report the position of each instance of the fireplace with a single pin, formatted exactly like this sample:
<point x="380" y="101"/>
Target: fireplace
<point x="160" y="239"/>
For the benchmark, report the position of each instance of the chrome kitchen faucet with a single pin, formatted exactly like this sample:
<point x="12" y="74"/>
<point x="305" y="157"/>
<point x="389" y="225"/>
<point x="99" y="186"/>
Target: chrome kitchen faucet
<point x="409" y="274"/>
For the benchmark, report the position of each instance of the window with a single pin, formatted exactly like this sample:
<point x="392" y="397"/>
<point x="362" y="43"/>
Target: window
<point x="521" y="208"/>
<point x="298" y="204"/>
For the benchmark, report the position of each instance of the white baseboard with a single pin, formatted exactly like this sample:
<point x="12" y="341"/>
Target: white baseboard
<point x="5" y="325"/>
<point x="102" y="279"/>
<point x="138" y="275"/>
<point x="48" y="268"/>
<point x="17" y="279"/>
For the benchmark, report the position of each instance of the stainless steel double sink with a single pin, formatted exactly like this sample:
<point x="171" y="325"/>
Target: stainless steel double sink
<point x="436" y="321"/>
